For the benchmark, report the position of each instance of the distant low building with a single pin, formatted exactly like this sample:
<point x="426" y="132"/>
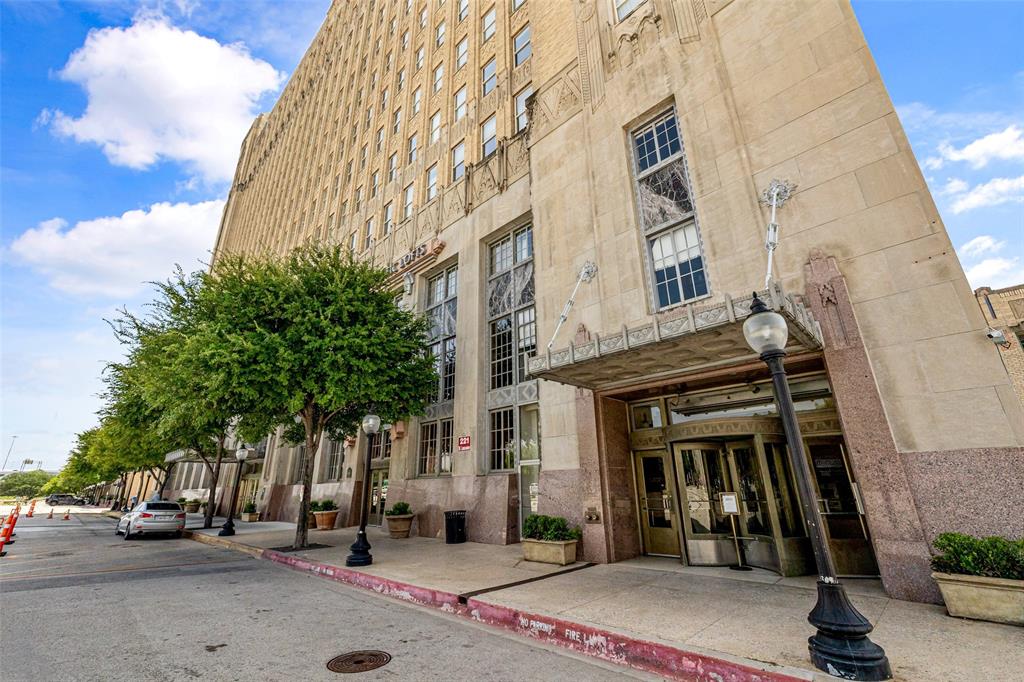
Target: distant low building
<point x="1004" y="311"/>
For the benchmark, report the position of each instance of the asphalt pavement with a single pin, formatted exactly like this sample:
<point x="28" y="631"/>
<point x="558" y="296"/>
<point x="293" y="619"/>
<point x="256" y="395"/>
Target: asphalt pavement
<point x="80" y="603"/>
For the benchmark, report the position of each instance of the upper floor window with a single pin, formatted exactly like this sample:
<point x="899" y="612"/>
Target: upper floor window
<point x="460" y="103"/>
<point x="489" y="76"/>
<point x="419" y="59"/>
<point x="487" y="24"/>
<point x="432" y="182"/>
<point x="489" y="137"/>
<point x="413" y="147"/>
<point x="407" y="200"/>
<point x="368" y="235"/>
<point x="379" y="444"/>
<point x="463" y="9"/>
<point x="510" y="308"/>
<point x="623" y="8"/>
<point x="516" y="4"/>
<point x="335" y="460"/>
<point x="462" y="53"/>
<point x="438" y="77"/>
<point x="441" y="313"/>
<point x="423" y="18"/>
<point x="458" y="160"/>
<point x="396" y="121"/>
<point x="666" y="213"/>
<point x="435" y="127"/>
<point x="522" y="115"/>
<point x="417" y="98"/>
<point x="521" y="45"/>
<point x="439" y="35"/>
<point x="392" y="167"/>
<point x="405" y="40"/>
<point x="389" y="218"/>
<point x="401" y="80"/>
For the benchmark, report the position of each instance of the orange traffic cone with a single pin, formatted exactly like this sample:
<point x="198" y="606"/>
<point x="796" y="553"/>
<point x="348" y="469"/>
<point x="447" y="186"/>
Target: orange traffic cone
<point x="67" y="515"/>
<point x="31" y="509"/>
<point x="50" y="515"/>
<point x="7" y="533"/>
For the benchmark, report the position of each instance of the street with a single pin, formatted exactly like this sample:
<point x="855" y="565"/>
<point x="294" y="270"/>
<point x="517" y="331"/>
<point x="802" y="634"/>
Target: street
<point x="80" y="603"/>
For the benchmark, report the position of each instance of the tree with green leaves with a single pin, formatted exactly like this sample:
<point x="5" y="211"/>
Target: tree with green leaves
<point x="310" y="343"/>
<point x="24" y="483"/>
<point x="79" y="472"/>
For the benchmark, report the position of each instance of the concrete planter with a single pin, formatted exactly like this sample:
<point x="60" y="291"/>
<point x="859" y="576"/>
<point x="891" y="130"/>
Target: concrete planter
<point x="250" y="517"/>
<point x="550" y="552"/>
<point x="191" y="507"/>
<point x="998" y="600"/>
<point x="399" y="525"/>
<point x="311" y="520"/>
<point x="325" y="519"/>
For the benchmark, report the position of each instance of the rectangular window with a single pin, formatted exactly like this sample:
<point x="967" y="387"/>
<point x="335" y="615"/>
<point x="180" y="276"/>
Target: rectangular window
<point x="393" y="167"/>
<point x="435" y="448"/>
<point x="383" y="99"/>
<point x="460" y="103"/>
<point x="419" y="59"/>
<point x="435" y="127"/>
<point x="363" y="155"/>
<point x="432" y="182"/>
<point x="401" y="80"/>
<point x="462" y="53"/>
<point x="379" y="444"/>
<point x="489" y="136"/>
<point x="374" y="183"/>
<point x="511" y="317"/>
<point x="458" y="160"/>
<point x="423" y="18"/>
<point x="666" y="213"/>
<point x="516" y="4"/>
<point x="522" y="115"/>
<point x="489" y="76"/>
<point x="389" y="218"/>
<point x="359" y="199"/>
<point x="487" y="24"/>
<point x="396" y="121"/>
<point x="352" y="241"/>
<point x="407" y="200"/>
<point x="441" y="313"/>
<point x="439" y="35"/>
<point x="463" y="9"/>
<point x="438" y="77"/>
<point x="623" y="8"/>
<point x="368" y="234"/>
<point x="412" y="148"/>
<point x="416" y="99"/>
<point x="335" y="460"/>
<point x="521" y="45"/>
<point x="379" y="144"/>
<point x="405" y="40"/>
<point x="502" y="443"/>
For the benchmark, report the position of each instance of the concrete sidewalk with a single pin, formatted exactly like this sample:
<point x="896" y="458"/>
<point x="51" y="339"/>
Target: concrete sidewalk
<point x="666" y="618"/>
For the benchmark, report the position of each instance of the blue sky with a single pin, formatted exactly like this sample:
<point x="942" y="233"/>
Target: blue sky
<point x="111" y="175"/>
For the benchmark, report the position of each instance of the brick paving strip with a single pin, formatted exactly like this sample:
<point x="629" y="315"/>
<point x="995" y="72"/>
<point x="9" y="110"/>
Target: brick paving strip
<point x="653" y="657"/>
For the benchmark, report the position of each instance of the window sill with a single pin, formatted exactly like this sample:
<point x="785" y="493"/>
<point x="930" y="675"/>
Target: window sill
<point x="682" y="304"/>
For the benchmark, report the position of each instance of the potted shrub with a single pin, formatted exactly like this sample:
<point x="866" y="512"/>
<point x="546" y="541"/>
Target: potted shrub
<point x="399" y="518"/>
<point x="191" y="506"/>
<point x="182" y="501"/>
<point x="549" y="539"/>
<point x="314" y="507"/>
<point x="249" y="512"/>
<point x="981" y="578"/>
<point x="326" y="515"/>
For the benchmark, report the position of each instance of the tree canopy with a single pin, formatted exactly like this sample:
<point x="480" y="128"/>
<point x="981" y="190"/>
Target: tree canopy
<point x="24" y="483"/>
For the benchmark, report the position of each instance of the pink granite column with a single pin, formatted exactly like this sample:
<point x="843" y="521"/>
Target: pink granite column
<point x="896" y="532"/>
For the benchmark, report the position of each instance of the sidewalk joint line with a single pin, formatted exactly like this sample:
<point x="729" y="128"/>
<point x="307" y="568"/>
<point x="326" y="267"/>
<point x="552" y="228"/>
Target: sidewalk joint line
<point x="466" y="596"/>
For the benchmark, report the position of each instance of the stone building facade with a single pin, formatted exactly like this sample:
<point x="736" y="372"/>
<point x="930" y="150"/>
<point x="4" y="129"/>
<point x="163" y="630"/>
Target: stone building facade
<point x="487" y="152"/>
<point x="1004" y="311"/>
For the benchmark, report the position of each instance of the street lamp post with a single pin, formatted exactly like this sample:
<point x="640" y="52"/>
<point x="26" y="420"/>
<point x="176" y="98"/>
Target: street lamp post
<point x="841" y="645"/>
<point x="360" y="549"/>
<point x="229" y="526"/>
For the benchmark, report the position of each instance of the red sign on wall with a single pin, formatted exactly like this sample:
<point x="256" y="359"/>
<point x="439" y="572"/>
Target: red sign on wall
<point x="463" y="442"/>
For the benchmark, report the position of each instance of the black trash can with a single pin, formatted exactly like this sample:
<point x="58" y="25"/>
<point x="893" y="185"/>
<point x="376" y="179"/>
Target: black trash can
<point x="455" y="527"/>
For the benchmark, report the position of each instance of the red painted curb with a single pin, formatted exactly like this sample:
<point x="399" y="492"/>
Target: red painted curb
<point x="652" y="657"/>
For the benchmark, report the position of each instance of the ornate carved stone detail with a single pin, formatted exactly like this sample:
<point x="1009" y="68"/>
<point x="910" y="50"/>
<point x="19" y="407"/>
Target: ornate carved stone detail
<point x="517" y="158"/>
<point x="588" y="44"/>
<point x="724" y="427"/>
<point x="454" y="202"/>
<point x="686" y="20"/>
<point x="826" y="289"/>
<point x="443" y="410"/>
<point x="501" y="397"/>
<point x="647" y="439"/>
<point x="555" y="102"/>
<point x="521" y="75"/>
<point x="635" y="35"/>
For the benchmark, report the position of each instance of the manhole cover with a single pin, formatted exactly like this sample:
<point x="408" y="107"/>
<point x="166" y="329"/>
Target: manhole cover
<point x="358" y="661"/>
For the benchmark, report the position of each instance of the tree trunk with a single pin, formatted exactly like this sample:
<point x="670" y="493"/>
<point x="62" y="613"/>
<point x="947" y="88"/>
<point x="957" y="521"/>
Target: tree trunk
<point x="211" y="501"/>
<point x="118" y="500"/>
<point x="313" y="433"/>
<point x="167" y="477"/>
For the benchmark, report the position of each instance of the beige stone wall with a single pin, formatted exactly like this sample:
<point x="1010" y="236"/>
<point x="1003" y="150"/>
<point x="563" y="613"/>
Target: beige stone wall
<point x="1008" y="305"/>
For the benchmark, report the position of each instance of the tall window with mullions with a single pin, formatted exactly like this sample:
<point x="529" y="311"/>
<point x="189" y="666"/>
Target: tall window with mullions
<point x="442" y="308"/>
<point x="512" y="320"/>
<point x="666" y="213"/>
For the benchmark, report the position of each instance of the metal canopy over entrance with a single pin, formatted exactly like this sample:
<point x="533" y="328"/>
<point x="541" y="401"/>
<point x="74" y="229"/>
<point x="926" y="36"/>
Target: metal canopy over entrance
<point x="699" y="337"/>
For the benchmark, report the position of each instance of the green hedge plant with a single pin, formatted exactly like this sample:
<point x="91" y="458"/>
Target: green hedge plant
<point x="992" y="557"/>
<point x="314" y="506"/>
<point x="249" y="508"/>
<point x="327" y="505"/>
<point x="550" y="528"/>
<point x="399" y="509"/>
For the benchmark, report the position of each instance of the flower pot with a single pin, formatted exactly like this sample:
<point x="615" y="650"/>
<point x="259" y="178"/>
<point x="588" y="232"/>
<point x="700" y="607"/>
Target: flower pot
<point x="311" y="520"/>
<point x="400" y="524"/>
<point x="550" y="551"/>
<point x="325" y="519"/>
<point x="998" y="600"/>
<point x="191" y="507"/>
<point x="250" y="517"/>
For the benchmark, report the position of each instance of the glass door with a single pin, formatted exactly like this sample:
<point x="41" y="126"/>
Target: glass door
<point x="755" y="519"/>
<point x="378" y="496"/>
<point x="657" y="515"/>
<point x="704" y="474"/>
<point x="529" y="461"/>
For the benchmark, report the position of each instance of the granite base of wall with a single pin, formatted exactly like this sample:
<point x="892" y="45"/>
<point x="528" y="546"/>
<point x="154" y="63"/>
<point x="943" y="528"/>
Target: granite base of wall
<point x="489" y="501"/>
<point x="979" y="492"/>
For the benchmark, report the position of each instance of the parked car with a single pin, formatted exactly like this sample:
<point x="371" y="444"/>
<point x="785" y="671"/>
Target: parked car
<point x="58" y="499"/>
<point x="149" y="518"/>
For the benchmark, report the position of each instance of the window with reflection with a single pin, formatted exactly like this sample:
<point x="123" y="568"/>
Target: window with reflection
<point x="510" y="308"/>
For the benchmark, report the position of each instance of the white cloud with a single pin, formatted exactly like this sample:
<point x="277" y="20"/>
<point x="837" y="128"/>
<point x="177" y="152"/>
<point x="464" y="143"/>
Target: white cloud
<point x="159" y="92"/>
<point x="981" y="245"/>
<point x="115" y="256"/>
<point x="992" y="193"/>
<point x="996" y="273"/>
<point x="953" y="186"/>
<point x="1006" y="145"/>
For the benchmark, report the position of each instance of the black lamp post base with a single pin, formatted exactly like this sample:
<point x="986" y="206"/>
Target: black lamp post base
<point x="740" y="568"/>
<point x="228" y="529"/>
<point x="360" y="551"/>
<point x="841" y="646"/>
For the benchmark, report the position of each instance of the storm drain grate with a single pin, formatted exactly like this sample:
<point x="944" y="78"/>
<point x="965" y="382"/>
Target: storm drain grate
<point x="358" y="661"/>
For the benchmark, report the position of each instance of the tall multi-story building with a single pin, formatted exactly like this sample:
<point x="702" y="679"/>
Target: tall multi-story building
<point x="1004" y="312"/>
<point x="492" y="154"/>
